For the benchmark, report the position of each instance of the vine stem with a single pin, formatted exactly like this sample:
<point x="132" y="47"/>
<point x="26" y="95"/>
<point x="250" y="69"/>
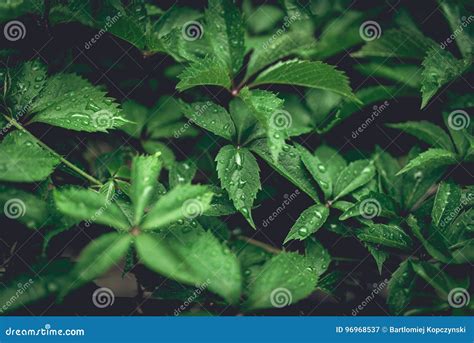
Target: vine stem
<point x="259" y="244"/>
<point x="88" y="177"/>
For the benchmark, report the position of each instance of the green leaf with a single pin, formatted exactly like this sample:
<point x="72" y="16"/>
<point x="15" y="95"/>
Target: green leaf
<point x="435" y="277"/>
<point x="100" y="255"/>
<point x="427" y="132"/>
<point x="282" y="281"/>
<point x="308" y="223"/>
<point x="458" y="134"/>
<point x="320" y="257"/>
<point x="439" y="68"/>
<point x="355" y="175"/>
<point x="307" y="74"/>
<point x="240" y="176"/>
<point x="332" y="161"/>
<point x="224" y="26"/>
<point x="182" y="173"/>
<point x="380" y="256"/>
<point x="85" y="204"/>
<point x="404" y="74"/>
<point x="394" y="43"/>
<point x="400" y="288"/>
<point x="430" y="159"/>
<point x="207" y="71"/>
<point x="267" y="108"/>
<point x="144" y="180"/>
<point x="439" y="251"/>
<point x="447" y="200"/>
<point x="387" y="168"/>
<point x="27" y="81"/>
<point x="23" y="160"/>
<point x="193" y="257"/>
<point x="318" y="170"/>
<point x="454" y="12"/>
<point x="70" y="102"/>
<point x="211" y="117"/>
<point x="385" y="234"/>
<point x="370" y="206"/>
<point x="274" y="49"/>
<point x="289" y="165"/>
<point x="182" y="202"/>
<point x="25" y="207"/>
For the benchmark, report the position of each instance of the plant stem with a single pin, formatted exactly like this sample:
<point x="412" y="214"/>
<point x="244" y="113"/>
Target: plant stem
<point x="88" y="177"/>
<point x="259" y="244"/>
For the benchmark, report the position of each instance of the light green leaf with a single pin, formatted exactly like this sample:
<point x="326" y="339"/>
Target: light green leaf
<point x="427" y="132"/>
<point x="70" y="102"/>
<point x="395" y="43"/>
<point x="267" y="108"/>
<point x="182" y="173"/>
<point x="319" y="255"/>
<point x="207" y="71"/>
<point x="355" y="175"/>
<point x="23" y="160"/>
<point x="439" y="68"/>
<point x="182" y="202"/>
<point x="224" y="27"/>
<point x="385" y="234"/>
<point x="447" y="200"/>
<point x="193" y="256"/>
<point x="25" y="207"/>
<point x="372" y="205"/>
<point x="317" y="169"/>
<point x="211" y="117"/>
<point x="240" y="176"/>
<point x="273" y="50"/>
<point x="85" y="204"/>
<point x="308" y="74"/>
<point x="400" y="288"/>
<point x="100" y="255"/>
<point x="430" y="159"/>
<point x="308" y="223"/>
<point x="289" y="165"/>
<point x="282" y="281"/>
<point x="144" y="180"/>
<point x="332" y="161"/>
